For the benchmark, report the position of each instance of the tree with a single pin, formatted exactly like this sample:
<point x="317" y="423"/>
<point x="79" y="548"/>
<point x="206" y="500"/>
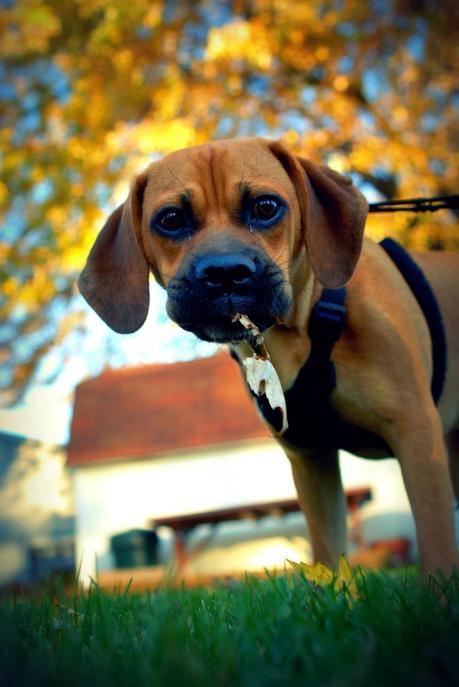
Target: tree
<point x="92" y="90"/>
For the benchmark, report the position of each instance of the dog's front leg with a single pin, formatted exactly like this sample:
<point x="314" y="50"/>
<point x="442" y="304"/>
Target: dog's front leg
<point x="418" y="443"/>
<point x="317" y="479"/>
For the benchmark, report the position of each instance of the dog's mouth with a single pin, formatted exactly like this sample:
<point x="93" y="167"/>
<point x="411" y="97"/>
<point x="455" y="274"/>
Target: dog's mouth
<point x="215" y="319"/>
<point x="210" y="290"/>
<point x="226" y="329"/>
<point x="223" y="333"/>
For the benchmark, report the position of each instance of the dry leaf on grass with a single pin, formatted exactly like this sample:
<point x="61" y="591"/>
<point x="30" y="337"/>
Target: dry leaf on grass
<point x="320" y="574"/>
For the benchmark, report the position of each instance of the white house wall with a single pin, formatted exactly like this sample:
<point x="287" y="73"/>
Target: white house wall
<point x="112" y="498"/>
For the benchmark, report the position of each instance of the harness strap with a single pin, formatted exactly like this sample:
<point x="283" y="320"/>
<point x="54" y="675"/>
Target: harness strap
<point x="326" y="324"/>
<point x="425" y="297"/>
<point x="309" y="397"/>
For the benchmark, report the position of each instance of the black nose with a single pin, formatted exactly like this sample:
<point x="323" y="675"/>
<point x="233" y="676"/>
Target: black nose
<point x="225" y="271"/>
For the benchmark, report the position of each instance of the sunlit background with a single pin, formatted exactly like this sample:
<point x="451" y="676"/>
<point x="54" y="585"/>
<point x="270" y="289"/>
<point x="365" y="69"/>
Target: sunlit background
<point x="93" y="90"/>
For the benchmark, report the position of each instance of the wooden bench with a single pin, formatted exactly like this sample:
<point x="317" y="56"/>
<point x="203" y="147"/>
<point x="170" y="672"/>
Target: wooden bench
<point x="184" y="523"/>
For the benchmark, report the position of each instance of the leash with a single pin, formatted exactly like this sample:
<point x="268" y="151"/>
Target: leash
<point x="417" y="204"/>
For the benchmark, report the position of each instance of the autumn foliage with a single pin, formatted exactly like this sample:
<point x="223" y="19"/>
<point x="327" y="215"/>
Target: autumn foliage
<point x="92" y="90"/>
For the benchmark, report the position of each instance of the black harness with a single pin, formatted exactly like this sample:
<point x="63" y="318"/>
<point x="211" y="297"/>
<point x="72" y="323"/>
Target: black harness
<point x="312" y="421"/>
<point x="425" y="297"/>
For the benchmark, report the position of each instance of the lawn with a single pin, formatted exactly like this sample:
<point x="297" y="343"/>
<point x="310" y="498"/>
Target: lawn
<point x="397" y="630"/>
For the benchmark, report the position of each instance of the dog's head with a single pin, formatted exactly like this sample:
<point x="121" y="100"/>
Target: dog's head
<point x="228" y="227"/>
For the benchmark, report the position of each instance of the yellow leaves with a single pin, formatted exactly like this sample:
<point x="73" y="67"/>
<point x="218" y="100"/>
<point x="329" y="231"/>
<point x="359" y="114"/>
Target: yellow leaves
<point x="109" y="84"/>
<point x="400" y="115"/>
<point x="29" y="26"/>
<point x="74" y="249"/>
<point x="317" y="140"/>
<point x="9" y="286"/>
<point x="339" y="162"/>
<point x="296" y="37"/>
<point x="298" y="13"/>
<point x="56" y="124"/>
<point x="57" y="216"/>
<point x="5" y="249"/>
<point x="246" y="40"/>
<point x="322" y="53"/>
<point x="96" y="109"/>
<point x="77" y="148"/>
<point x="153" y="15"/>
<point x="343" y="580"/>
<point x="14" y="159"/>
<point x="39" y="289"/>
<point x="341" y="83"/>
<point x="362" y="155"/>
<point x="291" y="137"/>
<point x="164" y="136"/>
<point x="3" y="193"/>
<point x="74" y="258"/>
<point x="168" y="98"/>
<point x="82" y="153"/>
<point x="123" y="60"/>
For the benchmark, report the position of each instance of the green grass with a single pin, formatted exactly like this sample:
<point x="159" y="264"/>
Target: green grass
<point x="280" y="631"/>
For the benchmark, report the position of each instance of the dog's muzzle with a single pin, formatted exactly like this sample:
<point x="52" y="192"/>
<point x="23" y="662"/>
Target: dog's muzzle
<point x="212" y="287"/>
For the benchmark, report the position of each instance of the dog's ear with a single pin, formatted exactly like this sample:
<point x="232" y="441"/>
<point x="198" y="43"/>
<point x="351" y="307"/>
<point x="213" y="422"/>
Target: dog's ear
<point x="115" y="278"/>
<point x="333" y="215"/>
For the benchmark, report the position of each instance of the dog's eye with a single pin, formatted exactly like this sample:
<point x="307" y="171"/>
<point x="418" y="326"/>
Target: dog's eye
<point x="266" y="211"/>
<point x="172" y="222"/>
<point x="265" y="208"/>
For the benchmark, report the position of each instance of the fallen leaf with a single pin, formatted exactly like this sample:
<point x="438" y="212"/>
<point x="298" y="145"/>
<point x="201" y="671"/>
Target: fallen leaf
<point x="345" y="578"/>
<point x="320" y="574"/>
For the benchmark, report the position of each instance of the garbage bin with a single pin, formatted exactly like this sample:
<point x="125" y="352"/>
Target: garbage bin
<point x="135" y="548"/>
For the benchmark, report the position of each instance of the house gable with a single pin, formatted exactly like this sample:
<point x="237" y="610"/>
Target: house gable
<point x="152" y="410"/>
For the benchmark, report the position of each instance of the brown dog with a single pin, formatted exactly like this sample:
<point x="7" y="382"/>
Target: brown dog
<point x="244" y="226"/>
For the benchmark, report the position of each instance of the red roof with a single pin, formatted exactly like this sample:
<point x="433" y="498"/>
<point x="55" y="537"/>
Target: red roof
<point x="151" y="410"/>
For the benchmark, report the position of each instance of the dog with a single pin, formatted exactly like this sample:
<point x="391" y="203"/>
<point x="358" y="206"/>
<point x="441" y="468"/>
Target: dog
<point x="245" y="226"/>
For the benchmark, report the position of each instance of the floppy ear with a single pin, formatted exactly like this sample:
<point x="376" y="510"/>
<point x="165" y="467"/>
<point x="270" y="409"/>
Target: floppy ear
<point x="333" y="214"/>
<point x="115" y="278"/>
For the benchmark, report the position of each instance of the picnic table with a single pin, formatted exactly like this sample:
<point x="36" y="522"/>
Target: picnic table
<point x="182" y="524"/>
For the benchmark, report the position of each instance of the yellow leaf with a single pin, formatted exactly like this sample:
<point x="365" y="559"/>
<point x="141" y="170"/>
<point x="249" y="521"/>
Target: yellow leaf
<point x="345" y="578"/>
<point x="240" y="39"/>
<point x="321" y="575"/>
<point x="3" y="192"/>
<point x="344" y="570"/>
<point x="318" y="573"/>
<point x="341" y="82"/>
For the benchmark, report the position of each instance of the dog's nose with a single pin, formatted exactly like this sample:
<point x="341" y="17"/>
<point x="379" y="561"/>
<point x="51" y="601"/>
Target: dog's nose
<point x="225" y="271"/>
